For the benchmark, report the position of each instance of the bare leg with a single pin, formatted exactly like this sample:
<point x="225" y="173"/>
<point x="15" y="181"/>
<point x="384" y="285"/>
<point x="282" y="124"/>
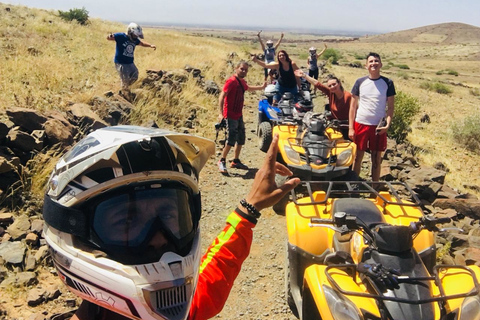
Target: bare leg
<point x="226" y="150"/>
<point x="376" y="165"/>
<point x="237" y="150"/>
<point x="357" y="164"/>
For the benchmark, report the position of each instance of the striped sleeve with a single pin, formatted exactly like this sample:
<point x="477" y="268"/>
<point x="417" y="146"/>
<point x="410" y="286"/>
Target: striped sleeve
<point x="221" y="265"/>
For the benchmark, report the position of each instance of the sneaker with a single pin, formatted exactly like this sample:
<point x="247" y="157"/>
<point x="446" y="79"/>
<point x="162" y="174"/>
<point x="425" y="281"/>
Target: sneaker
<point x="222" y="166"/>
<point x="238" y="165"/>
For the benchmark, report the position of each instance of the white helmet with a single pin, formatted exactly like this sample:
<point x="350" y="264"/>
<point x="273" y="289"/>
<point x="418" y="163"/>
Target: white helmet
<point x="270" y="90"/>
<point x="269" y="43"/>
<point x="312" y="50"/>
<point x="135" y="29"/>
<point x="121" y="214"/>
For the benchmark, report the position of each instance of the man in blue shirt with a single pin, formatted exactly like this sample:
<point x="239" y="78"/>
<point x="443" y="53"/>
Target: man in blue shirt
<point x="125" y="47"/>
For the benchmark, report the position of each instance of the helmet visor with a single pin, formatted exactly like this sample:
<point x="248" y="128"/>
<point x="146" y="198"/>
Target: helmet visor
<point x="144" y="217"/>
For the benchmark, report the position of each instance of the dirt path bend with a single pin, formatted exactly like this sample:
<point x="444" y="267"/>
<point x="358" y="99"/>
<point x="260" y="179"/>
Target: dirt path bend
<point x="258" y="292"/>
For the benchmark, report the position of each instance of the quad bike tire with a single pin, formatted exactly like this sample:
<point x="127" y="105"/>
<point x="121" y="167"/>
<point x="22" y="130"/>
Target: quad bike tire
<point x="279" y="207"/>
<point x="288" y="290"/>
<point x="309" y="307"/>
<point x="264" y="135"/>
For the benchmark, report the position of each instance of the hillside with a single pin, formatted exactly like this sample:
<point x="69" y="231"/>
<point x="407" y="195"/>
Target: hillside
<point x="443" y="33"/>
<point x="51" y="64"/>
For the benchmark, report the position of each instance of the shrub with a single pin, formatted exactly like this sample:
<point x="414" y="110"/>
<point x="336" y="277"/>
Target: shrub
<point x="360" y="56"/>
<point x="436" y="86"/>
<point x="452" y="72"/>
<point x="403" y="66"/>
<point x="406" y="108"/>
<point x="303" y="56"/>
<point x="355" y="64"/>
<point x="332" y="55"/>
<point x="81" y="15"/>
<point x="467" y="133"/>
<point x="403" y="75"/>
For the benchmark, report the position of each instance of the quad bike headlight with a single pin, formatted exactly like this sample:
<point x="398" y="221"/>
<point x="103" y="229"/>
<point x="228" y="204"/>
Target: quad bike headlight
<point x="340" y="307"/>
<point x="470" y="309"/>
<point x="344" y="157"/>
<point x="292" y="155"/>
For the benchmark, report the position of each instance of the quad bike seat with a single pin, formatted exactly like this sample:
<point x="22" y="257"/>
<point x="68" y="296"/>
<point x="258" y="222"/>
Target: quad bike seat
<point x="363" y="209"/>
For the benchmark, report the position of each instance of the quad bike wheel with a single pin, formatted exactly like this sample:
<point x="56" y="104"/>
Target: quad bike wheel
<point x="288" y="289"/>
<point x="264" y="135"/>
<point x="279" y="207"/>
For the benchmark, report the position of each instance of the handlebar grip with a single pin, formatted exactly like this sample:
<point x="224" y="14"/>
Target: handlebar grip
<point x="321" y="221"/>
<point x="443" y="220"/>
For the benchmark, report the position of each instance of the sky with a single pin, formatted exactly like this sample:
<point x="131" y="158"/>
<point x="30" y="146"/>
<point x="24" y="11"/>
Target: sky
<point x="373" y="16"/>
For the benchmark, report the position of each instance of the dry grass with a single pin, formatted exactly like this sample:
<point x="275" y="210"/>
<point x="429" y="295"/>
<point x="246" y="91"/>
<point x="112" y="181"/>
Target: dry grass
<point x="70" y="63"/>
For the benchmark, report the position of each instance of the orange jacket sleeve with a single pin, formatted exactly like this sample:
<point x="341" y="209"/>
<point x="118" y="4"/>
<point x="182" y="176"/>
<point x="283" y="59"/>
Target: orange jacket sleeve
<point x="221" y="265"/>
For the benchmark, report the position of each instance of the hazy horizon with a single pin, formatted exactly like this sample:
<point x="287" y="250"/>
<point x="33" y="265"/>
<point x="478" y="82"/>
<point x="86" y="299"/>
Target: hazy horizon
<point x="344" y="16"/>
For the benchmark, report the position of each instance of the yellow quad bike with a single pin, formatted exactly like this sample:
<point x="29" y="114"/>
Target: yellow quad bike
<point x="358" y="253"/>
<point x="314" y="149"/>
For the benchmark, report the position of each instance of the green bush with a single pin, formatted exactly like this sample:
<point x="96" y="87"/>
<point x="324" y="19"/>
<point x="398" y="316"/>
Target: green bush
<point x="81" y="15"/>
<point x="447" y="71"/>
<point x="406" y="108"/>
<point x="332" y="55"/>
<point x="360" y="56"/>
<point x="468" y="133"/>
<point x="303" y="56"/>
<point x="403" y="66"/>
<point x="436" y="86"/>
<point x="452" y="72"/>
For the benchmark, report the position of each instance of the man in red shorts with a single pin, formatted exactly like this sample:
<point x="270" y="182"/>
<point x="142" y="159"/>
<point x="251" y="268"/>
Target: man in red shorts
<point x="371" y="113"/>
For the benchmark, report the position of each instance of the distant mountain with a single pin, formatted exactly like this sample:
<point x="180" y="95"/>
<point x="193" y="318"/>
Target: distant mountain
<point x="443" y="33"/>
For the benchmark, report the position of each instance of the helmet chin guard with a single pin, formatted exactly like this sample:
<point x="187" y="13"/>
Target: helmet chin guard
<point x="129" y="189"/>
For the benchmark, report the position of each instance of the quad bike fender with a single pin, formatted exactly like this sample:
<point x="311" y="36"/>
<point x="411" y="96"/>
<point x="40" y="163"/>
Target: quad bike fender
<point x="263" y="110"/>
<point x="458" y="281"/>
<point x="285" y="131"/>
<point x="333" y="134"/>
<point x="316" y="280"/>
<point x="314" y="240"/>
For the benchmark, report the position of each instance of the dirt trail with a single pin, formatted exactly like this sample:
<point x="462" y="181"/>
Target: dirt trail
<point x="258" y="292"/>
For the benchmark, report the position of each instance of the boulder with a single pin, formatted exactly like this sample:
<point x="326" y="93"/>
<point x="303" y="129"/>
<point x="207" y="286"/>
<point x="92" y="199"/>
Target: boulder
<point x="28" y="119"/>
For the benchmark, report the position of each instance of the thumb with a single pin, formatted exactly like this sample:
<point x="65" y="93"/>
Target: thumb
<point x="290" y="184"/>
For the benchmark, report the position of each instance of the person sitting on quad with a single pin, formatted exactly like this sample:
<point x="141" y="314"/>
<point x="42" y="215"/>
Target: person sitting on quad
<point x="287" y="81"/>
<point x="269" y="51"/>
<point x="312" y="63"/>
<point x="338" y="98"/>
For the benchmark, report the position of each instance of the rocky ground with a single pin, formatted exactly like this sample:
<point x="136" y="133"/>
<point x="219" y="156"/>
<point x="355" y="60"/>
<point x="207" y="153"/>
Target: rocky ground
<point x="258" y="292"/>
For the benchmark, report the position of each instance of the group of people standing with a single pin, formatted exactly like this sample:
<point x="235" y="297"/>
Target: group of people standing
<point x="368" y="108"/>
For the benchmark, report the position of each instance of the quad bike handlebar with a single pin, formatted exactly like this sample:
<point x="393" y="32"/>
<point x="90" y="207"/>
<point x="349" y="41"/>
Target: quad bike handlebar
<point x="343" y="222"/>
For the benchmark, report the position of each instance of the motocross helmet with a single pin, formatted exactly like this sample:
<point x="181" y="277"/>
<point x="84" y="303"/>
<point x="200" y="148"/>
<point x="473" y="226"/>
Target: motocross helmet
<point x="312" y="50"/>
<point x="269" y="43"/>
<point x="122" y="211"/>
<point x="135" y="30"/>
